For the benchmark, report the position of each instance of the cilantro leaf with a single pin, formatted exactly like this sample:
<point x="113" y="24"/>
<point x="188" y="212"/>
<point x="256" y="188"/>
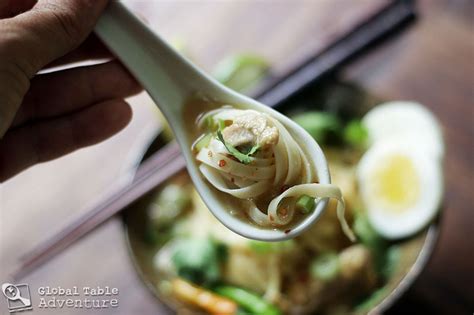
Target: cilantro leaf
<point x="243" y="158"/>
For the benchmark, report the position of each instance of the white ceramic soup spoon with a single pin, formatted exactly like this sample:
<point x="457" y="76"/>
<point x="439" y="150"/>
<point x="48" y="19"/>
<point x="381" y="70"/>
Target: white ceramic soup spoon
<point x="171" y="80"/>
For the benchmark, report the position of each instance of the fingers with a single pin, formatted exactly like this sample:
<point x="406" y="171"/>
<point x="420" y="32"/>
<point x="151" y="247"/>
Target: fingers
<point x="49" y="30"/>
<point x="91" y="48"/>
<point x="62" y="92"/>
<point x="47" y="140"/>
<point x="31" y="40"/>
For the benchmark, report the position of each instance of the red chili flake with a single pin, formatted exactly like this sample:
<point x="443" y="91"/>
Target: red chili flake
<point x="287" y="231"/>
<point x="222" y="163"/>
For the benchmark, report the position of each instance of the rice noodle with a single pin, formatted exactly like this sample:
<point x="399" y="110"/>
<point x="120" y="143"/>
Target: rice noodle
<point x="283" y="164"/>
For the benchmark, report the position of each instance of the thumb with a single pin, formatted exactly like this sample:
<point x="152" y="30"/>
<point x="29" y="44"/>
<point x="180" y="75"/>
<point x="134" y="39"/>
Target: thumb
<point x="35" y="38"/>
<point x="49" y="30"/>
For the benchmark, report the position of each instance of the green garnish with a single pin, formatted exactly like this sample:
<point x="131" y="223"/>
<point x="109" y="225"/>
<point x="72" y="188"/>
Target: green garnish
<point x="244" y="158"/>
<point x="203" y="142"/>
<point x="320" y="125"/>
<point x="213" y="125"/>
<point x="249" y="301"/>
<point x="392" y="258"/>
<point x="270" y="247"/>
<point x="326" y="267"/>
<point x="355" y="133"/>
<point x="221" y="124"/>
<point x="366" y="233"/>
<point x="210" y="123"/>
<point x="305" y="204"/>
<point x="199" y="260"/>
<point x="250" y="150"/>
<point x="373" y="241"/>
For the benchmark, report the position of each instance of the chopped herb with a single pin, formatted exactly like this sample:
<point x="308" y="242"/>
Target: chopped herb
<point x="305" y="204"/>
<point x="249" y="150"/>
<point x="243" y="158"/>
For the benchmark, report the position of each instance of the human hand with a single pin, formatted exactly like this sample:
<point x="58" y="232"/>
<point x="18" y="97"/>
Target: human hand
<point x="44" y="116"/>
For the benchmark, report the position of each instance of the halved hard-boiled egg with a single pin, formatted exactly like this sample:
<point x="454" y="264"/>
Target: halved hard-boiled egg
<point x="406" y="120"/>
<point x="400" y="176"/>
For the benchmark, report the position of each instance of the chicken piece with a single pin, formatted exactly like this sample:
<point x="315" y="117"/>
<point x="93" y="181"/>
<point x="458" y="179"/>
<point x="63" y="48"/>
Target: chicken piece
<point x="251" y="128"/>
<point x="236" y="135"/>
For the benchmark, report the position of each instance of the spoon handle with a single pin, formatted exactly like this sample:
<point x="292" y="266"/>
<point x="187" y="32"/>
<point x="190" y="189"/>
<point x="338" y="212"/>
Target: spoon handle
<point x="166" y="75"/>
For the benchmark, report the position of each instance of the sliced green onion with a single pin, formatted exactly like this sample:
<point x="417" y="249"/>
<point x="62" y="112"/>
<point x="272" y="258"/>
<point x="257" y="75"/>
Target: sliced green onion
<point x="355" y="134"/>
<point x="203" y="142"/>
<point x="270" y="247"/>
<point x="392" y="258"/>
<point x="372" y="240"/>
<point x="210" y="123"/>
<point x="325" y="267"/>
<point x="305" y="204"/>
<point x="221" y="124"/>
<point x="248" y="300"/>
<point x="366" y="233"/>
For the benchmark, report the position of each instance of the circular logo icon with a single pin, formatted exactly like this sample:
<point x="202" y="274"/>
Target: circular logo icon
<point x="11" y="291"/>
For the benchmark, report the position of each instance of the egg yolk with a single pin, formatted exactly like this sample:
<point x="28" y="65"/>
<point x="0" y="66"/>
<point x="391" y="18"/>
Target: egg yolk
<point x="396" y="183"/>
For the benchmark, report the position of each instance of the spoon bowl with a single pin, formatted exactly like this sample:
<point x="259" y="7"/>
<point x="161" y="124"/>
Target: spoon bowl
<point x="172" y="81"/>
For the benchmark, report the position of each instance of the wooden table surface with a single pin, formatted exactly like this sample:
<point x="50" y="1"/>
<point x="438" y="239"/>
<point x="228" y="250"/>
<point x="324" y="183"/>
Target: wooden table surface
<point x="432" y="62"/>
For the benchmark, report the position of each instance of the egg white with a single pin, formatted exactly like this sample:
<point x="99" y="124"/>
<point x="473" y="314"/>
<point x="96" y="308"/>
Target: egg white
<point x="405" y="120"/>
<point x="393" y="224"/>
